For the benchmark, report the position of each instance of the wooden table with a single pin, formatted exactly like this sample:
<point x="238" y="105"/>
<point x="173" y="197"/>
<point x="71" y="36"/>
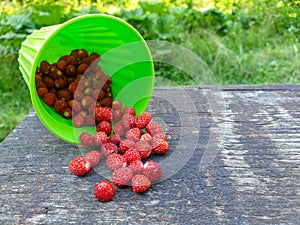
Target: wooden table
<point x="254" y="178"/>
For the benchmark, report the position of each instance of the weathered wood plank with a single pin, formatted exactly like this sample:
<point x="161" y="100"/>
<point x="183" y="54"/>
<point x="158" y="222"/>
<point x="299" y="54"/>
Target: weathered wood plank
<point x="253" y="180"/>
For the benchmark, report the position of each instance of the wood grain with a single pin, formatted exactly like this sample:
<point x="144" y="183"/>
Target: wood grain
<point x="254" y="178"/>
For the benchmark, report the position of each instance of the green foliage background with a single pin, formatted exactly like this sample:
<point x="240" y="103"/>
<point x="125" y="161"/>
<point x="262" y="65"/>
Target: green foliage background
<point x="242" y="41"/>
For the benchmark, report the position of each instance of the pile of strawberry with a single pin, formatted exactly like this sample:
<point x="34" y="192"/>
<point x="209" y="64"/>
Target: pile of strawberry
<point x="125" y="148"/>
<point x="74" y="85"/>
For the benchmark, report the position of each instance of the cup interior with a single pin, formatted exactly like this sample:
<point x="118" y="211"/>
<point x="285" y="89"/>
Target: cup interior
<point x="124" y="56"/>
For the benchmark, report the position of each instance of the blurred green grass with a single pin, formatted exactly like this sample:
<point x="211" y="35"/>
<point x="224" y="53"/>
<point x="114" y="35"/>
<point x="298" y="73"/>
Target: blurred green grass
<point x="14" y="95"/>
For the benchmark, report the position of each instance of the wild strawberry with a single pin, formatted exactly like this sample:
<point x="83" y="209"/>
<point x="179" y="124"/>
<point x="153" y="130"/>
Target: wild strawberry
<point x="82" y="53"/>
<point x="152" y="170"/>
<point x="48" y="81"/>
<point x="64" y="94"/>
<point x="99" y="95"/>
<point x="109" y="148"/>
<point x="72" y="87"/>
<point x="100" y="138"/>
<point x="137" y="167"/>
<point x="59" y="106"/>
<point x="141" y="121"/>
<point x="130" y="110"/>
<point x="42" y="91"/>
<point x="160" y="146"/>
<point x="82" y="68"/>
<point x="117" y="105"/>
<point x="78" y="120"/>
<point x="122" y="176"/>
<point x="61" y="64"/>
<point x="106" y="102"/>
<point x="153" y="128"/>
<point x="104" y="191"/>
<point x="80" y="166"/>
<point x="126" y="144"/>
<point x="146" y="137"/>
<point x="140" y="183"/>
<point x="115" y="161"/>
<point x="115" y="139"/>
<point x="133" y="134"/>
<point x="86" y="139"/>
<point x="119" y="129"/>
<point x="56" y="74"/>
<point x="132" y="155"/>
<point x="78" y="95"/>
<point x="93" y="157"/>
<point x="83" y="113"/>
<point x="87" y="101"/>
<point x="60" y="83"/>
<point x="75" y="105"/>
<point x="72" y="61"/>
<point x="95" y="57"/>
<point x="45" y="67"/>
<point x="67" y="113"/>
<point x="39" y="84"/>
<point x="105" y="127"/>
<point x="117" y="115"/>
<point x="70" y="70"/>
<point x="160" y="136"/>
<point x="128" y="121"/>
<point x="89" y="120"/>
<point x="103" y="114"/>
<point x="49" y="98"/>
<point x="144" y="148"/>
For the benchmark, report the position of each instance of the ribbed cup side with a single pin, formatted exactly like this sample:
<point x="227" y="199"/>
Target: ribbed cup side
<point x="29" y="50"/>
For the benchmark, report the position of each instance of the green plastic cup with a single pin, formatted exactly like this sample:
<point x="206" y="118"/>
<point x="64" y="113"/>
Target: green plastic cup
<point x="125" y="56"/>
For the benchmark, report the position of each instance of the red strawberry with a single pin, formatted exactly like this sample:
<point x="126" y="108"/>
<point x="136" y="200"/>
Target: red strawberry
<point x="104" y="191"/>
<point x="42" y="91"/>
<point x="78" y="120"/>
<point x="137" y="167"/>
<point x="140" y="183"/>
<point x="128" y="121"/>
<point x="119" y="128"/>
<point x="45" y="67"/>
<point x="100" y="138"/>
<point x="67" y="113"/>
<point x="160" y="146"/>
<point x="130" y="110"/>
<point x="144" y="148"/>
<point x="152" y="170"/>
<point x="122" y="176"/>
<point x="133" y="134"/>
<point x="49" y="98"/>
<point x="89" y="120"/>
<point x="115" y="161"/>
<point x="105" y="127"/>
<point x="160" y="136"/>
<point x="103" y="114"/>
<point x="80" y="166"/>
<point x="109" y="148"/>
<point x="64" y="94"/>
<point x="117" y="105"/>
<point x="93" y="157"/>
<point x="115" y="139"/>
<point x="146" y="137"/>
<point x="59" y="105"/>
<point x="142" y="120"/>
<point x="87" y="101"/>
<point x="117" y="115"/>
<point x="132" y="155"/>
<point x="75" y="105"/>
<point x="86" y="138"/>
<point x="126" y="144"/>
<point x="153" y="128"/>
<point x="82" y="68"/>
